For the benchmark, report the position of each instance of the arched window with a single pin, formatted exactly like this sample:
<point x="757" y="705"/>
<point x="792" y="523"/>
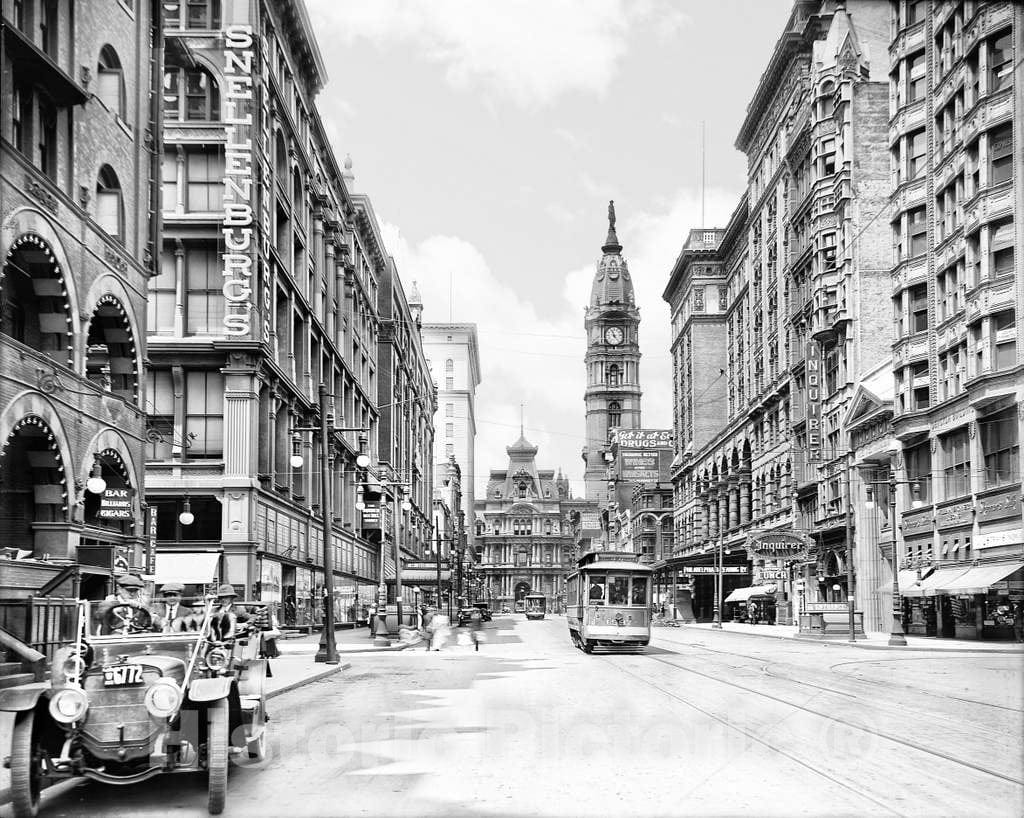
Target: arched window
<point x="190" y="94"/>
<point x="109" y="205"/>
<point x="281" y="160"/>
<point x="614" y="375"/>
<point x="449" y="365"/>
<point x="110" y="81"/>
<point x="298" y="199"/>
<point x="614" y="413"/>
<point x="826" y="101"/>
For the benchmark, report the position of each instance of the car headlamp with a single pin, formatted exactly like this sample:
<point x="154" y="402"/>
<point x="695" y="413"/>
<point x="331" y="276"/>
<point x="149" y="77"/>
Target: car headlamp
<point x="163" y="698"/>
<point x="69" y="705"/>
<point x="217" y="659"/>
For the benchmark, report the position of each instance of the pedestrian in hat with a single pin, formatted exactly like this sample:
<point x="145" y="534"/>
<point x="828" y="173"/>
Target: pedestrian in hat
<point x="124" y="611"/>
<point x="171" y="612"/>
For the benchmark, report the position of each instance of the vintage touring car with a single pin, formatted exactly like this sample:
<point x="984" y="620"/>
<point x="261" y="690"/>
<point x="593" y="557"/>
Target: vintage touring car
<point x="133" y="703"/>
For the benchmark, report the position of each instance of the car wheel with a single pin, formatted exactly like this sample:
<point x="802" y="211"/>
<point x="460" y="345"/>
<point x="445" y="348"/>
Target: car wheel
<point x="588" y="646"/>
<point x="217" y="755"/>
<point x="26" y="774"/>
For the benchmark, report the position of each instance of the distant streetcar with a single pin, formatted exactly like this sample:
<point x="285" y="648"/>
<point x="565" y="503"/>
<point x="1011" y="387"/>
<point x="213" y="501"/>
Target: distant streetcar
<point x="608" y="601"/>
<point x="536" y="606"/>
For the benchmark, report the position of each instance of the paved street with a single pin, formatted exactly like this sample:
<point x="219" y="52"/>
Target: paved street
<point x="702" y="723"/>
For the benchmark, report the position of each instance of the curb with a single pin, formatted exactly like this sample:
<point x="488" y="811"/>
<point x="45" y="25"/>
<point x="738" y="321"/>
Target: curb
<point x="863" y="645"/>
<point x="309" y="680"/>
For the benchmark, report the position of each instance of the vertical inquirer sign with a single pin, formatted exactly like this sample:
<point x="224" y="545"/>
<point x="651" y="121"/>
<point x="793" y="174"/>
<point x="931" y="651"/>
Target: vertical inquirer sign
<point x="237" y="228"/>
<point x="814" y="373"/>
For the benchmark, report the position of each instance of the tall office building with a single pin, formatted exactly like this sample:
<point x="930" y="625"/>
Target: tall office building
<point x="455" y="359"/>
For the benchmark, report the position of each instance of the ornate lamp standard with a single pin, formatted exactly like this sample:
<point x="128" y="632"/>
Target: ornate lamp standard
<point x="897" y="636"/>
<point x="328" y="650"/>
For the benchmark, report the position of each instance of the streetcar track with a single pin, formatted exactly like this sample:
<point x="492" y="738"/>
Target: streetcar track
<point x="877" y="682"/>
<point x="829" y="717"/>
<point x="759" y="740"/>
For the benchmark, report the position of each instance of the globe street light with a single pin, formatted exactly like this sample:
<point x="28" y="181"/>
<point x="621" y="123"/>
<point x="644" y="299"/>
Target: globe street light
<point x="96" y="484"/>
<point x="186" y="517"/>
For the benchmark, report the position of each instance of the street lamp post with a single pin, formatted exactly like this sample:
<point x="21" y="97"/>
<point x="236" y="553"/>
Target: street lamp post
<point x="719" y="602"/>
<point x="327" y="651"/>
<point x="897" y="636"/>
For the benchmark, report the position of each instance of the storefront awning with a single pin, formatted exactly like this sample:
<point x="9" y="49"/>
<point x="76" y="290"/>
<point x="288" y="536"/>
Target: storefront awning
<point x="978" y="579"/>
<point x="420" y="576"/>
<point x="933" y="583"/>
<point x="186" y="567"/>
<point x="743" y="594"/>
<point x="908" y="580"/>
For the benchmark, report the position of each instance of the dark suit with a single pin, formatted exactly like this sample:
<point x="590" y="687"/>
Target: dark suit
<point x="166" y="617"/>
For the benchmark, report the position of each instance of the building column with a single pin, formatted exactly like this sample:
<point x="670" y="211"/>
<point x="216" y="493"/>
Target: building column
<point x="179" y="290"/>
<point x="744" y="492"/>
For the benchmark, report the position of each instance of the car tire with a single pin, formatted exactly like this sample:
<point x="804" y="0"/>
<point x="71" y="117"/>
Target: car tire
<point x="217" y="755"/>
<point x="26" y="775"/>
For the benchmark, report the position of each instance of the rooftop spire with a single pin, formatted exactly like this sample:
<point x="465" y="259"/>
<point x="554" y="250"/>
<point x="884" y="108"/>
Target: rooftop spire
<point x="611" y="244"/>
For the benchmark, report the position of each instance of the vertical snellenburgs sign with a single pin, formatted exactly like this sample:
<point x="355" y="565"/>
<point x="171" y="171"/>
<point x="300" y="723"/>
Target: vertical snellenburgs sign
<point x="265" y="182"/>
<point x="814" y="373"/>
<point x="237" y="229"/>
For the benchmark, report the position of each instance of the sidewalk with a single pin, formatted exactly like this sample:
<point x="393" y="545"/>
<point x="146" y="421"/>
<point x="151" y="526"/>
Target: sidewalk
<point x="870" y="641"/>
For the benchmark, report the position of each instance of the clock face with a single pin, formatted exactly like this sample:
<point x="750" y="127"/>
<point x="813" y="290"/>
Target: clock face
<point x="613" y="335"/>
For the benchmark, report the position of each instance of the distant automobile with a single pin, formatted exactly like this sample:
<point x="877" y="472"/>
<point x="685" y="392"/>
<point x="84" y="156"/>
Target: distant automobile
<point x="484" y="609"/>
<point x="506" y="609"/>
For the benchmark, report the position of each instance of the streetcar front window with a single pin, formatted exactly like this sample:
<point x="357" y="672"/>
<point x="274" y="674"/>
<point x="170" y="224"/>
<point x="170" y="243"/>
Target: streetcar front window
<point x="596" y="593"/>
<point x="639" y="591"/>
<point x="618" y="590"/>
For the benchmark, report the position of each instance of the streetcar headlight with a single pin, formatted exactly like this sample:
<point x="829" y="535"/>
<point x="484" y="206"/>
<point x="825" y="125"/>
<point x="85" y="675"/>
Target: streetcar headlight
<point x="163" y="699"/>
<point x="69" y="705"/>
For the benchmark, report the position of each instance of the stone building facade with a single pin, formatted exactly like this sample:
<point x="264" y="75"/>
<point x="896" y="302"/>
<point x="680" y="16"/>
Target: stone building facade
<point x="273" y="279"/>
<point x="523" y="534"/>
<point x="775" y="351"/>
<point x="454" y="354"/>
<point x="955" y="137"/>
<point x="76" y="248"/>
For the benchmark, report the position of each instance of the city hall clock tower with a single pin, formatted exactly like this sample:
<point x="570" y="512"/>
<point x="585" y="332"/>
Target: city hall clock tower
<point x="613" y="360"/>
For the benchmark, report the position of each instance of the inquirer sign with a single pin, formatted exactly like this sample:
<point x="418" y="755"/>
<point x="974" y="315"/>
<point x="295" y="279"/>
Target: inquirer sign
<point x="778" y="545"/>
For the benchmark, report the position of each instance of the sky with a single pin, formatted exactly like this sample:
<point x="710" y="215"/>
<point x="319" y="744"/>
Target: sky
<point x="490" y="136"/>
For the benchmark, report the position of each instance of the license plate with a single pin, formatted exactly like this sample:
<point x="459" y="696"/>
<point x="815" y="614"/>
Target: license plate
<point x="118" y="675"/>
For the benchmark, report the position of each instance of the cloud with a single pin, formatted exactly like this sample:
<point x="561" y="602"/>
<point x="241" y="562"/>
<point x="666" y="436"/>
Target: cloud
<point x="531" y="51"/>
<point x="539" y="361"/>
<point x="560" y="213"/>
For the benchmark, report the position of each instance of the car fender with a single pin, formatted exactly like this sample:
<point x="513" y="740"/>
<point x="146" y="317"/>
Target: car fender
<point x="22" y="697"/>
<point x="210" y="690"/>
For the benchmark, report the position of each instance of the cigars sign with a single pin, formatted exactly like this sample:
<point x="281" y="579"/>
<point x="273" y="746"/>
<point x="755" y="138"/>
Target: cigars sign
<point x="237" y="222"/>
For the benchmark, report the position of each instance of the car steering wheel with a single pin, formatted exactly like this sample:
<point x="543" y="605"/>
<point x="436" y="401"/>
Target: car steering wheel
<point x="126" y="619"/>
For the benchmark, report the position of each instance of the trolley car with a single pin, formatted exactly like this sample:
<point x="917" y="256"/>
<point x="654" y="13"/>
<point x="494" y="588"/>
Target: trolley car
<point x="608" y="601"/>
<point x="536" y="605"/>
